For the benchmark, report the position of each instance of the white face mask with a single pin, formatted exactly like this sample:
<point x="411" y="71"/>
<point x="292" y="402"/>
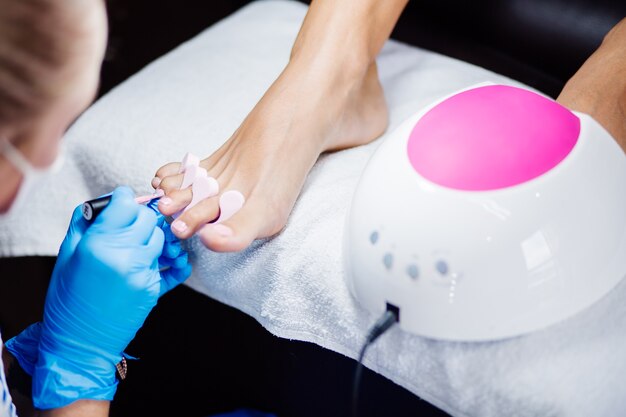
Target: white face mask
<point x="30" y="174"/>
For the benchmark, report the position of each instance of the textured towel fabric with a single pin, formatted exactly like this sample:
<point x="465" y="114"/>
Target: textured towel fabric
<point x="192" y="99"/>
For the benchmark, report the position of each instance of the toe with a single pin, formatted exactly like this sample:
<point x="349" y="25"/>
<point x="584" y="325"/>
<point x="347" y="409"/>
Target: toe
<point x="165" y="171"/>
<point x="174" y="201"/>
<point x="171" y="183"/>
<point x="196" y="217"/>
<point x="237" y="233"/>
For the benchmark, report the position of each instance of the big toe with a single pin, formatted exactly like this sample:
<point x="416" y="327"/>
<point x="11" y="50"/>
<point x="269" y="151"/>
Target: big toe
<point x="236" y="233"/>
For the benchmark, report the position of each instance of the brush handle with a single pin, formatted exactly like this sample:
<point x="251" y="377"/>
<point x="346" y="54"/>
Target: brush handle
<point x="92" y="208"/>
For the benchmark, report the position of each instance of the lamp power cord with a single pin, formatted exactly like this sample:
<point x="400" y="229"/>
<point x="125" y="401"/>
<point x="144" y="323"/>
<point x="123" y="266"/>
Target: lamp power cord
<point x="384" y="323"/>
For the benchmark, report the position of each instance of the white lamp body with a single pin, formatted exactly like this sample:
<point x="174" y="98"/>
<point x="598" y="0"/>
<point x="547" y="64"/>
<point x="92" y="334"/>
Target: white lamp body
<point x="483" y="265"/>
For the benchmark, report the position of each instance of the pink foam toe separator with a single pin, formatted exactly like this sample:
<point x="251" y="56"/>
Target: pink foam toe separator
<point x="197" y="175"/>
<point x="192" y="173"/>
<point x="230" y="203"/>
<point x="189" y="160"/>
<point x="203" y="187"/>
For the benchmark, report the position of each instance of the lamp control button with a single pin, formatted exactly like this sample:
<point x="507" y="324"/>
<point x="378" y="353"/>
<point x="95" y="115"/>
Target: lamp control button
<point x="442" y="267"/>
<point x="412" y="271"/>
<point x="388" y="260"/>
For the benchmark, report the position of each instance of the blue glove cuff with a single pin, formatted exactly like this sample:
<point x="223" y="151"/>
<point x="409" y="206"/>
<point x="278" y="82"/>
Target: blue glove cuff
<point x="58" y="382"/>
<point x="25" y="347"/>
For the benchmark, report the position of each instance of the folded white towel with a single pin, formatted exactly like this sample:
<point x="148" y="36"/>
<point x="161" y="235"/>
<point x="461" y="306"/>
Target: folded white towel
<point x="192" y="99"/>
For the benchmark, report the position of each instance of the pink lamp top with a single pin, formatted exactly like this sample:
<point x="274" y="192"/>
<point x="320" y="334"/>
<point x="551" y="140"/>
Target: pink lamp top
<point x="491" y="137"/>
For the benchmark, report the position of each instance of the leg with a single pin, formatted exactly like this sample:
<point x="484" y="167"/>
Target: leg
<point x="327" y="98"/>
<point x="599" y="86"/>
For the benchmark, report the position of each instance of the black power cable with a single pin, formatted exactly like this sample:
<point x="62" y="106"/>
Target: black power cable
<point x="388" y="319"/>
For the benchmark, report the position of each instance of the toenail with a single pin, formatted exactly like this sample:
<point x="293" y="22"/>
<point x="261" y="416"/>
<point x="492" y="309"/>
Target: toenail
<point x="179" y="225"/>
<point x="223" y="230"/>
<point x="156" y="181"/>
<point x="165" y="201"/>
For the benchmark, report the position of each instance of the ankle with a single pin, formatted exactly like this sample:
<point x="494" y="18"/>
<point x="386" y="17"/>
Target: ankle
<point x="331" y="60"/>
<point x="331" y="79"/>
<point x="617" y="35"/>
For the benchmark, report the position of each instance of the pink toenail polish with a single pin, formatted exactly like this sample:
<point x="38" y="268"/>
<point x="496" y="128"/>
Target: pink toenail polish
<point x="156" y="181"/>
<point x="179" y="226"/>
<point x="223" y="230"/>
<point x="165" y="201"/>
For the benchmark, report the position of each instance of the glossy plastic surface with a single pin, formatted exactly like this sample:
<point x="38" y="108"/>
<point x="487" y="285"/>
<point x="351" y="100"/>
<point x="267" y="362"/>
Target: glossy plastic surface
<point x="491" y="137"/>
<point x="484" y="265"/>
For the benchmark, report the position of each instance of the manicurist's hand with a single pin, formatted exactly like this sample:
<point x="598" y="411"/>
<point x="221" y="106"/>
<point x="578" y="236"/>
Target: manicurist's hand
<point x="104" y="284"/>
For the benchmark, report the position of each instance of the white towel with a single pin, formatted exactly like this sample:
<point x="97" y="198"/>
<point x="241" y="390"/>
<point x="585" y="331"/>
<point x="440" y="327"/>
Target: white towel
<point x="192" y="99"/>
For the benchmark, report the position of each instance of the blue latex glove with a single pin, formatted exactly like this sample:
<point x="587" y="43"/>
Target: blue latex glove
<point x="25" y="346"/>
<point x="105" y="282"/>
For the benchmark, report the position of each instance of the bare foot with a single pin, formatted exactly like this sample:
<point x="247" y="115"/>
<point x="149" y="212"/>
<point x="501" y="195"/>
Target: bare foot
<point x="304" y="113"/>
<point x="599" y="87"/>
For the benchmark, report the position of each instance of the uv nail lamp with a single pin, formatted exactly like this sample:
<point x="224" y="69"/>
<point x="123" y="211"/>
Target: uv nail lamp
<point x="492" y="213"/>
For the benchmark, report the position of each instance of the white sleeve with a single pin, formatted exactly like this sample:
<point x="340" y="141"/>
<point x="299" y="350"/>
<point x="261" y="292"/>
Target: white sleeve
<point x="7" y="409"/>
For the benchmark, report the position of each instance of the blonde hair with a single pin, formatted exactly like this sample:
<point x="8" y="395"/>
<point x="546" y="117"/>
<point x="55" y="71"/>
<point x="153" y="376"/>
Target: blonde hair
<point x="37" y="38"/>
